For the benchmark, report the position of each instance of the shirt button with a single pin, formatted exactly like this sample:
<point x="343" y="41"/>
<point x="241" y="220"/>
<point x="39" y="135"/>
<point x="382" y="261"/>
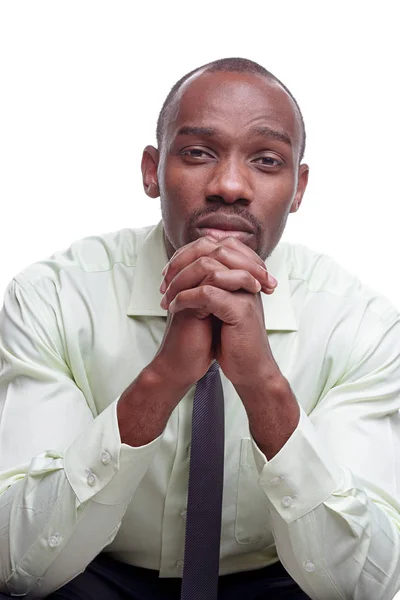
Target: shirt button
<point x="275" y="481"/>
<point x="105" y="457"/>
<point x="309" y="566"/>
<point x="287" y="501"/>
<point x="91" y="478"/>
<point x="54" y="540"/>
<point x="184" y="513"/>
<point x="179" y="563"/>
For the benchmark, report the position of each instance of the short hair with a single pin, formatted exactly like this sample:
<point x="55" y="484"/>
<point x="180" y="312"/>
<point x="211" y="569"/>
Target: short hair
<point x="235" y="65"/>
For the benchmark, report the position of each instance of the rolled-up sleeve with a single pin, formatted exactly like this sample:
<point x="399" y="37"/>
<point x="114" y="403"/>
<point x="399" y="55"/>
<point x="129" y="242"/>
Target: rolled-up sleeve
<point x="65" y="478"/>
<point x="333" y="488"/>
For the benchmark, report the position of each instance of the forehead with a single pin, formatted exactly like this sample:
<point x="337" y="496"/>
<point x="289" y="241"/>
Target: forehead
<point x="224" y="99"/>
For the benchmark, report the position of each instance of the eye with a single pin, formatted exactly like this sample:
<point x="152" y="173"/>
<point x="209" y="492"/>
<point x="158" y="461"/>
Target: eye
<point x="196" y="153"/>
<point x="268" y="161"/>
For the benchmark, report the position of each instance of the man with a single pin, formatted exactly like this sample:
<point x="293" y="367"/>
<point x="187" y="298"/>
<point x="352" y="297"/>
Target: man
<point x="98" y="379"/>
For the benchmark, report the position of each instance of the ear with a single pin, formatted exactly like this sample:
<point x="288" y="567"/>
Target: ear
<point x="301" y="187"/>
<point x="149" y="166"/>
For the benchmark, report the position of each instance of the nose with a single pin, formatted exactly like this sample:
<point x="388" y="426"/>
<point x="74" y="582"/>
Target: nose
<point x="230" y="181"/>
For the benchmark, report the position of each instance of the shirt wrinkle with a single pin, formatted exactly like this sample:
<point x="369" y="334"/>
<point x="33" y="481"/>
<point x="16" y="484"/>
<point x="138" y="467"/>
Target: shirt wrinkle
<point x="73" y="337"/>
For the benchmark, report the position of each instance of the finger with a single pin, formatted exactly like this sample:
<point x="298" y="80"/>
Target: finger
<point x="225" y="279"/>
<point x="236" y="259"/>
<point x="206" y="300"/>
<point x="235" y="244"/>
<point x="209" y="241"/>
<point x="232" y="256"/>
<point x="205" y="243"/>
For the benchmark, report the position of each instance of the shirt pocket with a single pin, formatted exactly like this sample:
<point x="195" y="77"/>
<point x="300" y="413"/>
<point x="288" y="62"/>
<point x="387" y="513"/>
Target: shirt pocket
<point x="252" y="515"/>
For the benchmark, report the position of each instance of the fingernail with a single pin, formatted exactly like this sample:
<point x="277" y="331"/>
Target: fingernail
<point x="165" y="269"/>
<point x="163" y="302"/>
<point x="272" y="280"/>
<point x="163" y="287"/>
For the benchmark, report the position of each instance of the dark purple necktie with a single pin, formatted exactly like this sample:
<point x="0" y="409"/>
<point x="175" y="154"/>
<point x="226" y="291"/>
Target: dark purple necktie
<point x="206" y="475"/>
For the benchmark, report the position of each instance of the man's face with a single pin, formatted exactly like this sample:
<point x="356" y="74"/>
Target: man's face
<point x="230" y="147"/>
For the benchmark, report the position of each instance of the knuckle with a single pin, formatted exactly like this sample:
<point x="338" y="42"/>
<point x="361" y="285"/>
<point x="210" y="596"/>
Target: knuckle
<point x="206" y="240"/>
<point x="244" y="273"/>
<point x="213" y="278"/>
<point x="247" y="277"/>
<point x="221" y="252"/>
<point x="231" y="241"/>
<point x="206" y="292"/>
<point x="205" y="263"/>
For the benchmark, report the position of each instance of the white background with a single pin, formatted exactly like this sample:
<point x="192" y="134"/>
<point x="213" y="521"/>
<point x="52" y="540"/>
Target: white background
<point x="82" y="83"/>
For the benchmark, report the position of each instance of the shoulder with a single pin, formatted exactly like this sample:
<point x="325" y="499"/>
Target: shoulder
<point x="89" y="255"/>
<point x="316" y="275"/>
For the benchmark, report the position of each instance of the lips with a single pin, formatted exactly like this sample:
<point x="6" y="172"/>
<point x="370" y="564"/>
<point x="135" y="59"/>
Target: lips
<point x="220" y="226"/>
<point x="225" y="223"/>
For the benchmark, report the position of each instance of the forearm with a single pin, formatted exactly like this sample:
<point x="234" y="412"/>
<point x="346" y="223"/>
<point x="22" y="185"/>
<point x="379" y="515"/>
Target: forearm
<point x="146" y="405"/>
<point x="332" y="538"/>
<point x="67" y="507"/>
<point x="272" y="410"/>
<point x="346" y="548"/>
<point x="48" y="539"/>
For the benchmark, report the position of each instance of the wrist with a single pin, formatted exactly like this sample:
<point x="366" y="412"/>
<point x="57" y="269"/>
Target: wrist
<point x="158" y="373"/>
<point x="145" y="406"/>
<point x="271" y="394"/>
<point x="273" y="413"/>
<point x="269" y="380"/>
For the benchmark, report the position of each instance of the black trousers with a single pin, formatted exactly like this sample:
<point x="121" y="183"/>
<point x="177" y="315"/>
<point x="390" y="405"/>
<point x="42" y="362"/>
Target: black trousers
<point x="108" y="579"/>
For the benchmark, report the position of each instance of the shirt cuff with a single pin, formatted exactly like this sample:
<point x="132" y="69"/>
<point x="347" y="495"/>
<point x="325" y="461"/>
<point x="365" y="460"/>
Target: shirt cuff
<point x="97" y="456"/>
<point x="302" y="475"/>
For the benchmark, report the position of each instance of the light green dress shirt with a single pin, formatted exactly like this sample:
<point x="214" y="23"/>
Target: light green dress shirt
<point x="75" y="331"/>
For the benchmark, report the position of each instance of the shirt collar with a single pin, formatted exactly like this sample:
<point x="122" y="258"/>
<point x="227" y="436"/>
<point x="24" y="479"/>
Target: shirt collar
<point x="152" y="257"/>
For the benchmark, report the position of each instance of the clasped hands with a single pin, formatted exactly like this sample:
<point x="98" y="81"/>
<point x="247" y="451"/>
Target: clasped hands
<point x="223" y="278"/>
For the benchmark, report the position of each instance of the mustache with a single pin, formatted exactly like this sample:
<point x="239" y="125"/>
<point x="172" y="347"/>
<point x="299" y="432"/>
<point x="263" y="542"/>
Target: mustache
<point x="221" y="210"/>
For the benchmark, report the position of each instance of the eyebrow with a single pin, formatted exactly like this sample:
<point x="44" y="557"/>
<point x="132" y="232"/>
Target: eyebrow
<point x="196" y="131"/>
<point x="265" y="131"/>
<point x="261" y="130"/>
